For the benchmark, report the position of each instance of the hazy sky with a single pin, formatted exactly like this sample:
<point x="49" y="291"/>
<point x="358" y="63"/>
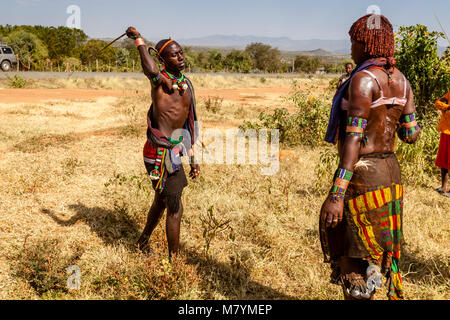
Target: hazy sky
<point x="296" y="19"/>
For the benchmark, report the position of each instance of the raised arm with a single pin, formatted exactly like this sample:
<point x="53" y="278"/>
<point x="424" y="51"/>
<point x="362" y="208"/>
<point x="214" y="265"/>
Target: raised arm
<point x="408" y="130"/>
<point x="148" y="63"/>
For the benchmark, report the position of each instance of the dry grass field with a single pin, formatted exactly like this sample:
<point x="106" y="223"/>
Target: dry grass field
<point x="74" y="191"/>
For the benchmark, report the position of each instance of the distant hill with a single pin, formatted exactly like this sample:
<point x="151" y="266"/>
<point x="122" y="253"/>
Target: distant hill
<point x="282" y="43"/>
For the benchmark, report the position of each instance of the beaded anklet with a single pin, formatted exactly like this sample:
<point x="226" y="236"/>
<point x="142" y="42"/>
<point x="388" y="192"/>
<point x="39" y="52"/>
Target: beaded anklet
<point x="341" y="181"/>
<point x="356" y="126"/>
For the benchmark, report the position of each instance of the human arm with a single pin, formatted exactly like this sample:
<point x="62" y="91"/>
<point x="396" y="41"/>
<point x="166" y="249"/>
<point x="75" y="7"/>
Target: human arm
<point x="148" y="63"/>
<point x="360" y="98"/>
<point x="195" y="167"/>
<point x="408" y="130"/>
<point x="442" y="104"/>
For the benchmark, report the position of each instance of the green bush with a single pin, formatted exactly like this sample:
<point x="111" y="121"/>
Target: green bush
<point x="17" y="82"/>
<point x="306" y="126"/>
<point x="417" y="160"/>
<point x="417" y="57"/>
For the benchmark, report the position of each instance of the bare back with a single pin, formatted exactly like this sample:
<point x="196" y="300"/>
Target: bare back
<point x="394" y="100"/>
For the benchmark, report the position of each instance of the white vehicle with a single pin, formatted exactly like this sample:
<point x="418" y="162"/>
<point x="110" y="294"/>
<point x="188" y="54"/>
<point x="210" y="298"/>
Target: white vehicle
<point x="7" y="57"/>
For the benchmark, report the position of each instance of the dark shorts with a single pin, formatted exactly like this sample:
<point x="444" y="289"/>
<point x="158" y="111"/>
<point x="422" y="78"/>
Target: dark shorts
<point x="173" y="188"/>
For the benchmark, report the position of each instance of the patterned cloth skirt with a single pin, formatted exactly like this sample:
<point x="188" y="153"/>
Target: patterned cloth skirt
<point x="371" y="228"/>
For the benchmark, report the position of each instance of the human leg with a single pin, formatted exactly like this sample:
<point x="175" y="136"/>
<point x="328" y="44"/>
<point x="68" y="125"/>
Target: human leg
<point x="154" y="215"/>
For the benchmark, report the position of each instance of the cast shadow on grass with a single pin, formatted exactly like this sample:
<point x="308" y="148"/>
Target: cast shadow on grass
<point x="417" y="268"/>
<point x="231" y="280"/>
<point x="111" y="226"/>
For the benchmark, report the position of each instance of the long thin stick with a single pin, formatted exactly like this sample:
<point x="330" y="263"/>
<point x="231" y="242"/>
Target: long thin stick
<point x="441" y="27"/>
<point x="116" y="39"/>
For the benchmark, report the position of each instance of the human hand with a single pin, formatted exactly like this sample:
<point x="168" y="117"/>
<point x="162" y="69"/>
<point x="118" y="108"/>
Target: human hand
<point x="332" y="211"/>
<point x="195" y="171"/>
<point x="132" y="33"/>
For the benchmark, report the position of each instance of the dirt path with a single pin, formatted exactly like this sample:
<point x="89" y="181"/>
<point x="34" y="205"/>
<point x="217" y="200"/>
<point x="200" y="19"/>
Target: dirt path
<point x="12" y="96"/>
<point x="243" y="94"/>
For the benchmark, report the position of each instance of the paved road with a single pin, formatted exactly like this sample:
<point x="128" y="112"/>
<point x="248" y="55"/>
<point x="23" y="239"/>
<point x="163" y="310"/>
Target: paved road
<point x="134" y="75"/>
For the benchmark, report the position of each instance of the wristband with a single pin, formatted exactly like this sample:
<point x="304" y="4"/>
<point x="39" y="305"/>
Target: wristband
<point x="140" y="42"/>
<point x="341" y="181"/>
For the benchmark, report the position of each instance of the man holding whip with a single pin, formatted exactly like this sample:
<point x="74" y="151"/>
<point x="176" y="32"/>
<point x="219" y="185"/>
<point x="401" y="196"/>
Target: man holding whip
<point x="172" y="109"/>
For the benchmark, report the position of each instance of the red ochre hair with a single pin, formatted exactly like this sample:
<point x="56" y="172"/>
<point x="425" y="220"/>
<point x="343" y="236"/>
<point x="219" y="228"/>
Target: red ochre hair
<point x="378" y="42"/>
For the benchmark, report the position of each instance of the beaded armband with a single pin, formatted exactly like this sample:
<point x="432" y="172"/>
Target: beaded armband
<point x="341" y="180"/>
<point x="156" y="78"/>
<point x="356" y="126"/>
<point x="408" y="126"/>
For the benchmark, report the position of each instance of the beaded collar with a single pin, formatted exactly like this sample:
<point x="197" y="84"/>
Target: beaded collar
<point x="177" y="83"/>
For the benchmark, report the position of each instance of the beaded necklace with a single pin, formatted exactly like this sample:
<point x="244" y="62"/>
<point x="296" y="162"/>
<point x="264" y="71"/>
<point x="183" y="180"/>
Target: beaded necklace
<point x="177" y="83"/>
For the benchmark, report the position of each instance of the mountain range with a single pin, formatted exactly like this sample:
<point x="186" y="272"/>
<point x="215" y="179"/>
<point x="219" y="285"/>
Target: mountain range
<point x="282" y="43"/>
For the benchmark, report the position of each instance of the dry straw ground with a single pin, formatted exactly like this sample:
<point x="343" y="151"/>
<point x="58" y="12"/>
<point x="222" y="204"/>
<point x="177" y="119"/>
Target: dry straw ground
<point x="73" y="190"/>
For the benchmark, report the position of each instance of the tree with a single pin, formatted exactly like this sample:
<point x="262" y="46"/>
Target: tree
<point x="238" y="61"/>
<point x="215" y="61"/>
<point x="89" y="52"/>
<point x="265" y="58"/>
<point x="28" y="47"/>
<point x="417" y="57"/>
<point x="190" y="57"/>
<point x="307" y="64"/>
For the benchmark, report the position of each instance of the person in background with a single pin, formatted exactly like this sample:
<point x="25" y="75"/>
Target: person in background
<point x="443" y="156"/>
<point x="345" y="76"/>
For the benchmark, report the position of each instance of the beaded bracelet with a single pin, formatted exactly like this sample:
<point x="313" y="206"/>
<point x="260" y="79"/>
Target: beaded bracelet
<point x="341" y="181"/>
<point x="356" y="126"/>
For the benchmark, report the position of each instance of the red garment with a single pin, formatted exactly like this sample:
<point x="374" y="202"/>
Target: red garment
<point x="443" y="157"/>
<point x="150" y="152"/>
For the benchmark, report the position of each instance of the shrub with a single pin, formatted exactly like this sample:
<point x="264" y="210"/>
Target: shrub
<point x="417" y="57"/>
<point x="417" y="160"/>
<point x="43" y="265"/>
<point x="306" y="126"/>
<point x="213" y="104"/>
<point x="17" y="82"/>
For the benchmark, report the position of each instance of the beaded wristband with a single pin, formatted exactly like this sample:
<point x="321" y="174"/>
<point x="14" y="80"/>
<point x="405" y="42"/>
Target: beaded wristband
<point x="341" y="181"/>
<point x="140" y="42"/>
